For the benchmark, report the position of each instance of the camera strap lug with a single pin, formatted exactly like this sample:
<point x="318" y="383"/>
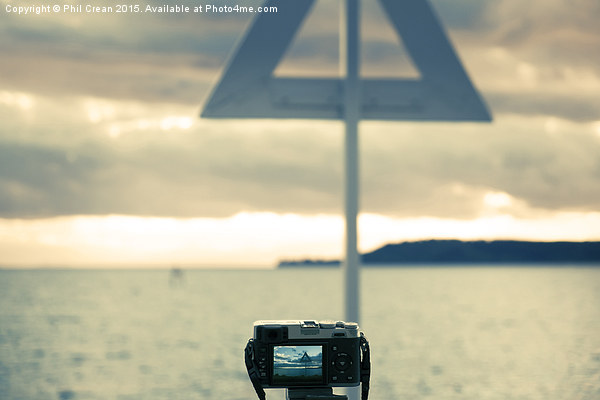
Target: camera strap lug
<point x="252" y="367"/>
<point x="365" y="366"/>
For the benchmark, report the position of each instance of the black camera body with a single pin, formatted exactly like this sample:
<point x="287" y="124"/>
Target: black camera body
<point x="296" y="354"/>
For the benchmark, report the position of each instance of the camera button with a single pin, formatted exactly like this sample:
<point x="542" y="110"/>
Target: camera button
<point x="342" y="362"/>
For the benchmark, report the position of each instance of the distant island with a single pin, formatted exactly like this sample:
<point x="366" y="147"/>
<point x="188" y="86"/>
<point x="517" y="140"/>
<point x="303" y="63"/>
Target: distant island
<point x="471" y="252"/>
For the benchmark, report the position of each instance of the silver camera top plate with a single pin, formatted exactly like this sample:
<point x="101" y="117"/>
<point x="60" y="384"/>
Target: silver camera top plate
<point x="311" y="329"/>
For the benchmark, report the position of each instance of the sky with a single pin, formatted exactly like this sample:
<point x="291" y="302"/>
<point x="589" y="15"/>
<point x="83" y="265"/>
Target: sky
<point x="104" y="160"/>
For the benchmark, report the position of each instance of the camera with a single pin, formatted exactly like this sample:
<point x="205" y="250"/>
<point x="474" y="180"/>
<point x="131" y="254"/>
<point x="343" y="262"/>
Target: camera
<point x="301" y="355"/>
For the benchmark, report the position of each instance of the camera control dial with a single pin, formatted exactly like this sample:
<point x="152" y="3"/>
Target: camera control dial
<point x="342" y="362"/>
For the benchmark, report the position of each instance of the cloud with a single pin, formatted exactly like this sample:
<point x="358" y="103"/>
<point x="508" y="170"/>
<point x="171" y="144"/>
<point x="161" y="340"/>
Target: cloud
<point x="543" y="163"/>
<point x="545" y="47"/>
<point x="580" y="108"/>
<point x="535" y="58"/>
<point x="152" y="57"/>
<point x="99" y="116"/>
<point x="64" y="156"/>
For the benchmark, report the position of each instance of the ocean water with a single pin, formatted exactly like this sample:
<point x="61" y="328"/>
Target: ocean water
<point x="436" y="333"/>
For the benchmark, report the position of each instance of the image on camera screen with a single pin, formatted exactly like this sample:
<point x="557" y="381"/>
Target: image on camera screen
<point x="298" y="365"/>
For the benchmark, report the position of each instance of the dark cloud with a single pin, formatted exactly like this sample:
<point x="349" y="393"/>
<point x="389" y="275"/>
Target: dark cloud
<point x="462" y="14"/>
<point x="109" y="76"/>
<point x="584" y="107"/>
<point x="548" y="170"/>
<point x="203" y="172"/>
<point x="532" y="63"/>
<point x="176" y="57"/>
<point x="219" y="170"/>
<point x="550" y="34"/>
<point x="555" y="41"/>
<point x="41" y="182"/>
<point x="160" y="58"/>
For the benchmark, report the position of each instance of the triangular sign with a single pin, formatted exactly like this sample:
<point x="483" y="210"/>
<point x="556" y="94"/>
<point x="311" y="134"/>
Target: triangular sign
<point x="248" y="88"/>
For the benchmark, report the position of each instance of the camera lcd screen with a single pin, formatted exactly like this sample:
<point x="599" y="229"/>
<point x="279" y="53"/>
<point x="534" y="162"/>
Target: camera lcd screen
<point x="298" y="365"/>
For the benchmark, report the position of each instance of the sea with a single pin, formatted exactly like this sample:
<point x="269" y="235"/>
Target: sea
<point x="474" y="332"/>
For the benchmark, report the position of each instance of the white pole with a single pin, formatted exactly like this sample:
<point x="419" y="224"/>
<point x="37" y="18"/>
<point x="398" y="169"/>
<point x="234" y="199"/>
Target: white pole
<point x="350" y="64"/>
<point x="350" y="57"/>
